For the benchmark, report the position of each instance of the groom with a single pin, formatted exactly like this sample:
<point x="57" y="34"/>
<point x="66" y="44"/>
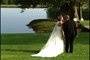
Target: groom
<point x="70" y="32"/>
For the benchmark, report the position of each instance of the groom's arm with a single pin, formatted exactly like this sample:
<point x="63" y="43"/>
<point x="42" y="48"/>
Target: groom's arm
<point x="71" y="28"/>
<point x="75" y="29"/>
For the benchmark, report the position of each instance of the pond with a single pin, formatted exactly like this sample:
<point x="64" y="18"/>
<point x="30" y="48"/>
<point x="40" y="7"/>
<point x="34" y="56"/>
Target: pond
<point x="12" y="21"/>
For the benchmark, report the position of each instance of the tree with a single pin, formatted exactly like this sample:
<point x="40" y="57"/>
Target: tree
<point x="78" y="8"/>
<point x="73" y="4"/>
<point x="6" y="2"/>
<point x="70" y="7"/>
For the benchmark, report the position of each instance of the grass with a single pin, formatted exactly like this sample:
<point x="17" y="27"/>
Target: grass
<point x="21" y="46"/>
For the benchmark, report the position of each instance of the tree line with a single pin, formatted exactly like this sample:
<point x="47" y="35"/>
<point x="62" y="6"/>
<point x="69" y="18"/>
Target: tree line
<point x="52" y="4"/>
<point x="8" y="2"/>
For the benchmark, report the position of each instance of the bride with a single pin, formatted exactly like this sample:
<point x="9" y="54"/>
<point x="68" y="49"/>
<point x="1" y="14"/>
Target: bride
<point x="55" y="43"/>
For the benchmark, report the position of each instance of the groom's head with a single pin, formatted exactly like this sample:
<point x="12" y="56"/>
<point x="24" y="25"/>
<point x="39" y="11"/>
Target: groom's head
<point x="66" y="17"/>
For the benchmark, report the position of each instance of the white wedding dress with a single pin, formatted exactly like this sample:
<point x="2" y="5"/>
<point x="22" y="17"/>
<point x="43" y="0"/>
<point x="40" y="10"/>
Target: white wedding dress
<point x="54" y="45"/>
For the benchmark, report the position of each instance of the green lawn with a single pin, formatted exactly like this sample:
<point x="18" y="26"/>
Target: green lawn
<point x="21" y="46"/>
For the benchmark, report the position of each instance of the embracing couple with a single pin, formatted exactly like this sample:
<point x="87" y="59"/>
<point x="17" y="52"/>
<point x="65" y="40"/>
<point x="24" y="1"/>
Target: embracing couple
<point x="61" y="38"/>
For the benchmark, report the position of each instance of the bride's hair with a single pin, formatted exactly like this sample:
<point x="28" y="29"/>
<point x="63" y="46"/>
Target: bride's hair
<point x="60" y="17"/>
<point x="60" y="14"/>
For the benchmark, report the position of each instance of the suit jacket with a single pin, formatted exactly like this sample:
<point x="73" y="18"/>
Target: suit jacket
<point x="69" y="28"/>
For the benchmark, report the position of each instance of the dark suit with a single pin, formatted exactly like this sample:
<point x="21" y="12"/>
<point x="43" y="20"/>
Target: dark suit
<point x="70" y="32"/>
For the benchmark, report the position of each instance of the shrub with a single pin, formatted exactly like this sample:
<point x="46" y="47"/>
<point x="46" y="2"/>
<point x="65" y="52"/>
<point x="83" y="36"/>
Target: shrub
<point x="86" y="14"/>
<point x="82" y="27"/>
<point x="42" y="25"/>
<point x="46" y="25"/>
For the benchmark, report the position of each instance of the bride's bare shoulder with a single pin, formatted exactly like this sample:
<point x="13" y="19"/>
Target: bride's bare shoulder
<point x="58" y="23"/>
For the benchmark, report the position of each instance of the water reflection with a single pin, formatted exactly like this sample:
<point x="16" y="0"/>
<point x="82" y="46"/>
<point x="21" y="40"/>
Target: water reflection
<point x="12" y="21"/>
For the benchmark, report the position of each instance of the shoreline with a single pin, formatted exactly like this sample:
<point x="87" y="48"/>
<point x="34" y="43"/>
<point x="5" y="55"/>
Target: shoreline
<point x="9" y="6"/>
<point x="17" y="6"/>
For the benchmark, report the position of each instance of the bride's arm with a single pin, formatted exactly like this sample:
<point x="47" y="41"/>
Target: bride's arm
<point x="63" y="36"/>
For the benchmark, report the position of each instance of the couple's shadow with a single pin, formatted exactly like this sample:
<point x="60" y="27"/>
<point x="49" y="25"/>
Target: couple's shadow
<point x="28" y="51"/>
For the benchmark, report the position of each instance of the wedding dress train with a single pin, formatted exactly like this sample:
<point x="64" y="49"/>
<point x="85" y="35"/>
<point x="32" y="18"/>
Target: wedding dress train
<point x="54" y="45"/>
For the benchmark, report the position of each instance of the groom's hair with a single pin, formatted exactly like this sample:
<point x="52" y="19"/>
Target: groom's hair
<point x="66" y="17"/>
